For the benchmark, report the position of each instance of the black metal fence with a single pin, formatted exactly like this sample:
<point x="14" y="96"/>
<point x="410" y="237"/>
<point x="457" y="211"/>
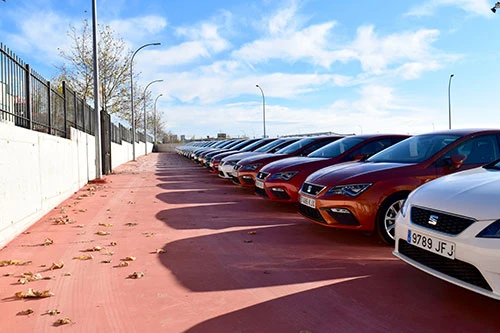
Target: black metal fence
<point x="27" y="100"/>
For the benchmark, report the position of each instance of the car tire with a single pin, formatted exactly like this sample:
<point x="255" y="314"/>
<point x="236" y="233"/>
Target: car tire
<point x="386" y="216"/>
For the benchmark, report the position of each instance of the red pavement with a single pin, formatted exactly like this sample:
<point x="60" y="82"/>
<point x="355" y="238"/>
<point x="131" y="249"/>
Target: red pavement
<point x="232" y="263"/>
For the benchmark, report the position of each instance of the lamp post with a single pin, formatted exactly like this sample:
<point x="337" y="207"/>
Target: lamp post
<point x="132" y="93"/>
<point x="97" y="108"/>
<point x="154" y="118"/>
<point x="145" y="118"/>
<point x="449" y="101"/>
<point x="263" y="109"/>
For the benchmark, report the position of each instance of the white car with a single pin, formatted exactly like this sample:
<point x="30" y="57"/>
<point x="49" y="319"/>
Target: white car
<point x="450" y="228"/>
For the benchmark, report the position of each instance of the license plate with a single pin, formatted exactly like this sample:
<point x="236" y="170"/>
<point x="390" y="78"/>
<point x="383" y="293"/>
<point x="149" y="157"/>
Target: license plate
<point x="432" y="244"/>
<point x="259" y="184"/>
<point x="308" y="201"/>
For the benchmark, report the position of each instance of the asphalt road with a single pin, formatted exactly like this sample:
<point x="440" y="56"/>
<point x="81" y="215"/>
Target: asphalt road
<point x="233" y="262"/>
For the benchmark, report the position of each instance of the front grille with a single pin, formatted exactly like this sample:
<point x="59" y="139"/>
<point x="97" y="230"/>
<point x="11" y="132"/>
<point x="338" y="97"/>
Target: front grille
<point x="311" y="213"/>
<point x="248" y="181"/>
<point x="455" y="268"/>
<point x="450" y="224"/>
<point x="262" y="175"/>
<point x="280" y="195"/>
<point x="312" y="189"/>
<point x="261" y="192"/>
<point x="344" y="218"/>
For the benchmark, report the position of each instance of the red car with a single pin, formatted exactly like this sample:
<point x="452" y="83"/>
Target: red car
<point x="368" y="195"/>
<point x="247" y="168"/>
<point x="281" y="180"/>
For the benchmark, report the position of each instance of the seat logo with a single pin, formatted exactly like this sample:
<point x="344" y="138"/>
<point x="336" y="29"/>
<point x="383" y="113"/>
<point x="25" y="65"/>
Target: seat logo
<point x="309" y="189"/>
<point x="433" y="220"/>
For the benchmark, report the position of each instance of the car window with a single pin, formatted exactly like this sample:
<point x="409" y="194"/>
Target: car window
<point x="295" y="146"/>
<point x="415" y="149"/>
<point x="479" y="150"/>
<point x="336" y="148"/>
<point x="370" y="148"/>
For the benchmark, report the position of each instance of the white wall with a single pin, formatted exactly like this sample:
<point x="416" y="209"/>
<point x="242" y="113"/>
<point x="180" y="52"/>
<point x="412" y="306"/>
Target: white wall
<point x="38" y="171"/>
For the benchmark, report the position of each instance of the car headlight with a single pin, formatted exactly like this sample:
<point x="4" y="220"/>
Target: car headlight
<point x="350" y="190"/>
<point x="491" y="231"/>
<point x="287" y="175"/>
<point x="251" y="167"/>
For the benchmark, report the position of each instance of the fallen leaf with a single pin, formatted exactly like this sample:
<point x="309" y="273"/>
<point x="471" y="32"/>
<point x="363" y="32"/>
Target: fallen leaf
<point x="62" y="321"/>
<point x="158" y="251"/>
<point x="130" y="224"/>
<point x="113" y="243"/>
<point x="136" y="275"/>
<point x="148" y="234"/>
<point x="26" y="312"/>
<point x="8" y="274"/>
<point x="106" y="261"/>
<point x="130" y="258"/>
<point x="67" y="274"/>
<point x="31" y="293"/>
<point x="80" y="225"/>
<point x="108" y="253"/>
<point x="53" y="312"/>
<point x="48" y="241"/>
<point x="82" y="210"/>
<point x="103" y="233"/>
<point x="84" y="257"/>
<point x="252" y="232"/>
<point x="105" y="224"/>
<point x="8" y="262"/>
<point x="43" y="265"/>
<point x="131" y="202"/>
<point x="94" y="249"/>
<point x="28" y="277"/>
<point x="123" y="264"/>
<point x="56" y="266"/>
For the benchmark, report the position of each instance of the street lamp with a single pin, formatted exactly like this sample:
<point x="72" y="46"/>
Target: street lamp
<point x="145" y="120"/>
<point x="132" y="94"/>
<point x="263" y="109"/>
<point x="97" y="108"/>
<point x="154" y="118"/>
<point x="449" y="102"/>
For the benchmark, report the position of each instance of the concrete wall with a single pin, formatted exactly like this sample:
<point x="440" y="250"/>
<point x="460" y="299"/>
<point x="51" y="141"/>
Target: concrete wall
<point x="167" y="147"/>
<point x="38" y="171"/>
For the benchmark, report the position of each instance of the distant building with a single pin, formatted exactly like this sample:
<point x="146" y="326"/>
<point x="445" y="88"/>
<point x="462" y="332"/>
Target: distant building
<point x="221" y="136"/>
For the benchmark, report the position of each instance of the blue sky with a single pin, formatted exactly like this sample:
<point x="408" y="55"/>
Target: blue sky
<point x="366" y="66"/>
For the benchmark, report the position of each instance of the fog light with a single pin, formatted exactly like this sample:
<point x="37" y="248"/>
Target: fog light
<point x="277" y="189"/>
<point x="340" y="210"/>
<point x="246" y="177"/>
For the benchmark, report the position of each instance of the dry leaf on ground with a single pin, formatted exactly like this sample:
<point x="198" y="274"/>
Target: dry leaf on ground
<point x="136" y="275"/>
<point x="84" y="257"/>
<point x="158" y="251"/>
<point x="94" y="249"/>
<point x="62" y="321"/>
<point x="252" y="232"/>
<point x="103" y="233"/>
<point x="105" y="224"/>
<point x="48" y="241"/>
<point x="129" y="258"/>
<point x="106" y="261"/>
<point x="113" y="243"/>
<point x="123" y="264"/>
<point x="53" y="312"/>
<point x="26" y="312"/>
<point x="56" y="266"/>
<point x="31" y="293"/>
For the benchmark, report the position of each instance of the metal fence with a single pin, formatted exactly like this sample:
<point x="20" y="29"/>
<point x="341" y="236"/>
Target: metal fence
<point x="27" y="100"/>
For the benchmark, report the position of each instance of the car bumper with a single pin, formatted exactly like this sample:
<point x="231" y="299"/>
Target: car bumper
<point x="475" y="263"/>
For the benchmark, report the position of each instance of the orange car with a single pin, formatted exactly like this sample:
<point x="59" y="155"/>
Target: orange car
<point x="368" y="195"/>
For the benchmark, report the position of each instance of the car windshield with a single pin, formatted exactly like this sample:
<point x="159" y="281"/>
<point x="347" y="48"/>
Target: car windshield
<point x="252" y="146"/>
<point x="270" y="146"/>
<point x="336" y="148"/>
<point x="295" y="146"/>
<point x="415" y="149"/>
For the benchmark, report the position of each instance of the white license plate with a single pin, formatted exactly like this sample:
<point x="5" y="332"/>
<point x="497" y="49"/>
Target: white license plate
<point x="259" y="184"/>
<point x="308" y="201"/>
<point x="432" y="244"/>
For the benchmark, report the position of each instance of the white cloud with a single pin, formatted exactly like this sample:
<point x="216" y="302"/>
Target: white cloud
<point x="139" y="28"/>
<point x="428" y="8"/>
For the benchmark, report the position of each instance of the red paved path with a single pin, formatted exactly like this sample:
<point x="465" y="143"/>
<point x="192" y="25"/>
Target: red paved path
<point x="290" y="276"/>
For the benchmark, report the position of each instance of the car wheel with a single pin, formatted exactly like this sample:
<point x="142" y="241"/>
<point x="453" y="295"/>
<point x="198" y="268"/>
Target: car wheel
<point x="386" y="216"/>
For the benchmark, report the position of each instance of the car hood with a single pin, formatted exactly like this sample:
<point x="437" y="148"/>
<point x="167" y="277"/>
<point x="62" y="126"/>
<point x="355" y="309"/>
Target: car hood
<point x="240" y="156"/>
<point x="261" y="158"/>
<point x="352" y="171"/>
<point x="289" y="163"/>
<point x="472" y="193"/>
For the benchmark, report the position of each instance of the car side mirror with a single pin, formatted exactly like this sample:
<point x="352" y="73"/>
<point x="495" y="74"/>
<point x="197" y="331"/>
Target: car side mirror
<point x="360" y="157"/>
<point x="457" y="161"/>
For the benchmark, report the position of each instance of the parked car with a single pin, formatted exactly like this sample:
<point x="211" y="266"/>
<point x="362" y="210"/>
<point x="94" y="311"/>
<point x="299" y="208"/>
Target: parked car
<point x="207" y="158"/>
<point x="248" y="168"/>
<point x="199" y="155"/>
<point x="255" y="144"/>
<point x="228" y="163"/>
<point x="450" y="228"/>
<point x="368" y="195"/>
<point x="281" y="180"/>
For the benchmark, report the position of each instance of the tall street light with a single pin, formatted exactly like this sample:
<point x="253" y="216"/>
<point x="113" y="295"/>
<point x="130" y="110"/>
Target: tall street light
<point x="132" y="94"/>
<point x="263" y="109"/>
<point x="449" y="101"/>
<point x="97" y="108"/>
<point x="145" y="118"/>
<point x="154" y="118"/>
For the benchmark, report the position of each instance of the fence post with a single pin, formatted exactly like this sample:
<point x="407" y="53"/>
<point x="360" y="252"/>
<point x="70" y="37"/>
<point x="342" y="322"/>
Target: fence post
<point x="65" y="110"/>
<point x="49" y="107"/>
<point x="28" y="97"/>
